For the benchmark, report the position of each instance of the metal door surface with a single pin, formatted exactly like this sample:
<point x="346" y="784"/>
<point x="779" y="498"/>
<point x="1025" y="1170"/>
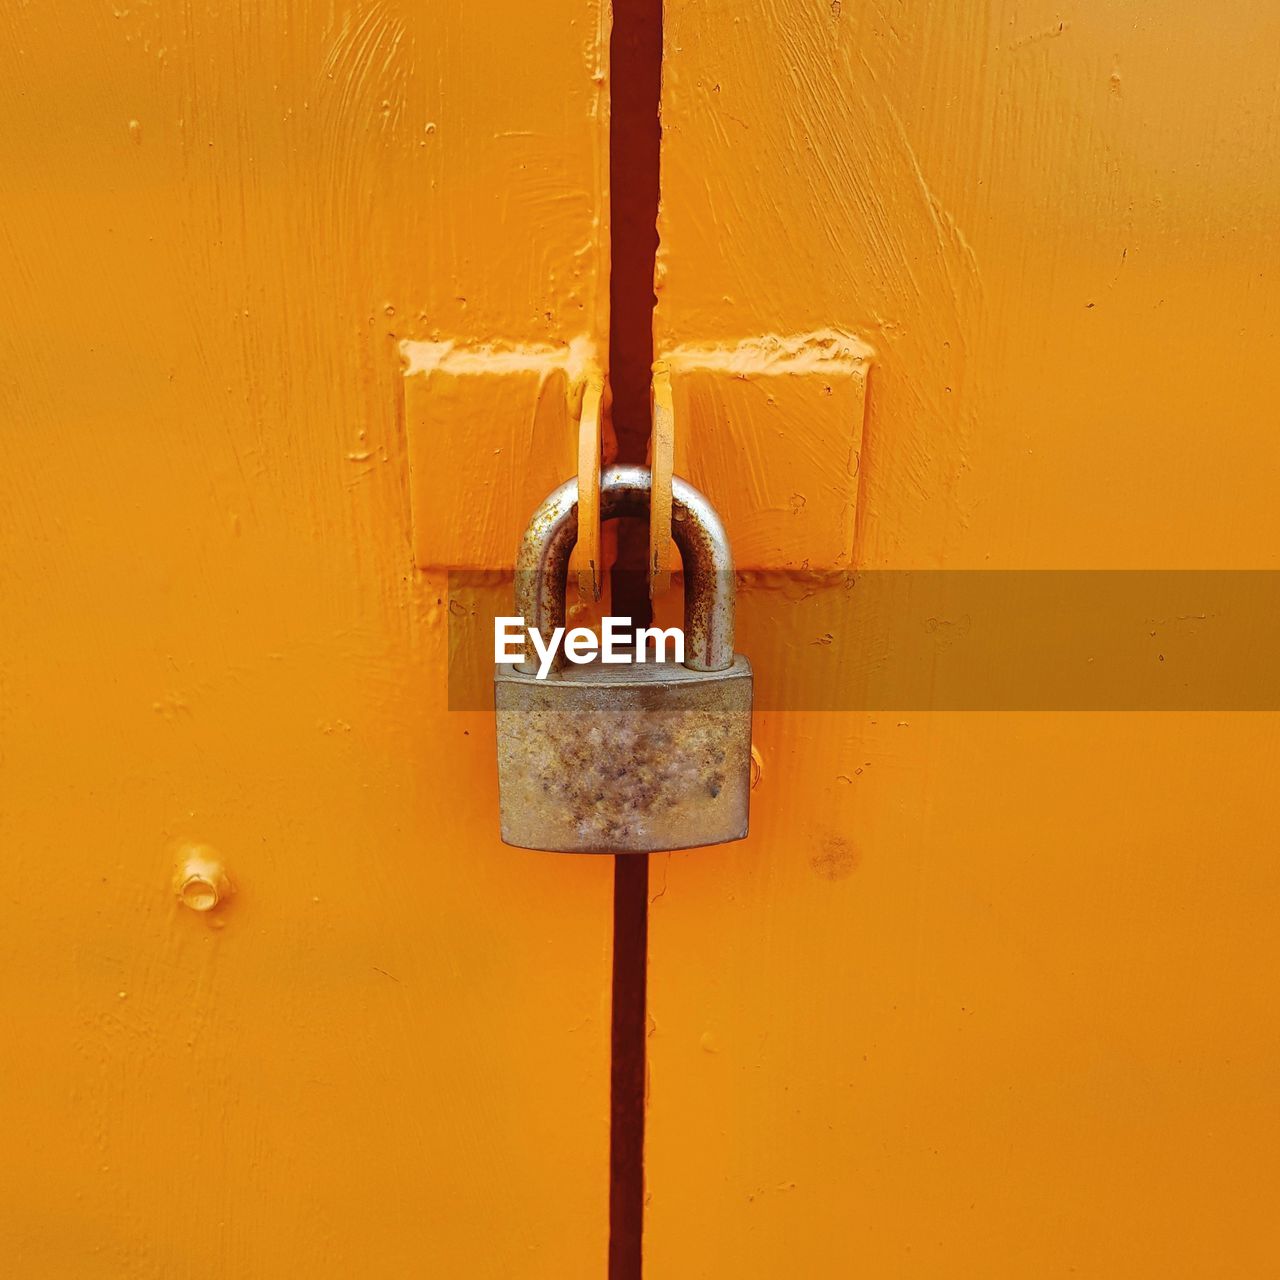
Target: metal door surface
<point x="387" y="1054"/>
<point x="986" y="993"/>
<point x="299" y="304"/>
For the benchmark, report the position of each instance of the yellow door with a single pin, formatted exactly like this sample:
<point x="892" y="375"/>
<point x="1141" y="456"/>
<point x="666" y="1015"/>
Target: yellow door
<point x="300" y="304"/>
<point x="985" y="993"/>
<point x="387" y="1053"/>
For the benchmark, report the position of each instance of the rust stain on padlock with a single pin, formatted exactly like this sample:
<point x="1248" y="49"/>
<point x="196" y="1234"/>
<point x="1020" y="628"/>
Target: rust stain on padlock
<point x="657" y="759"/>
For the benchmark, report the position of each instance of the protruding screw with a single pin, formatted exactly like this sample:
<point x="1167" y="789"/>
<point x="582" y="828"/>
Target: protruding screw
<point x="201" y="882"/>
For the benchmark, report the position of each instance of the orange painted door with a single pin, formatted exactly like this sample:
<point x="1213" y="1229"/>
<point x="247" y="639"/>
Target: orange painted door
<point x="986" y="993"/>
<point x="386" y="1054"/>
<point x="300" y="302"/>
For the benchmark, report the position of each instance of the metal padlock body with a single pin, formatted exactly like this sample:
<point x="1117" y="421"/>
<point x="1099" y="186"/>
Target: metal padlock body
<point x="636" y="758"/>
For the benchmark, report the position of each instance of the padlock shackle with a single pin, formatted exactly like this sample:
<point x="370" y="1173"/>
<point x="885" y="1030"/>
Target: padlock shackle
<point x="542" y="562"/>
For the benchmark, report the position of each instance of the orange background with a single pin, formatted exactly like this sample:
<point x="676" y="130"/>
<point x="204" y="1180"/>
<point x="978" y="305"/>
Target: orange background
<point x="982" y="995"/>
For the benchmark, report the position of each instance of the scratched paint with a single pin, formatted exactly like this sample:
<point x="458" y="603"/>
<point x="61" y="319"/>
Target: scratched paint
<point x="391" y="1058"/>
<point x="985" y="995"/>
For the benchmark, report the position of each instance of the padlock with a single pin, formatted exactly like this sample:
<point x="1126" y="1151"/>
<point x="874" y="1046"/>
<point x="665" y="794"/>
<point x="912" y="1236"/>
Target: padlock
<point x="634" y="758"/>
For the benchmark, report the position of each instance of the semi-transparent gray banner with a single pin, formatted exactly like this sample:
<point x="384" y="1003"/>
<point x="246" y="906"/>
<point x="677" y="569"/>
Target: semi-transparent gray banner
<point x="960" y="640"/>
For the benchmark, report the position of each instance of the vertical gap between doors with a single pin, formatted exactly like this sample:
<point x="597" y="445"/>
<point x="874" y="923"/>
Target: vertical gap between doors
<point x="635" y="57"/>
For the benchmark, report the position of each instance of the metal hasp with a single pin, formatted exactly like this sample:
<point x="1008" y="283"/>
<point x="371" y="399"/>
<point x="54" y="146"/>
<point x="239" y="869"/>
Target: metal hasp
<point x="635" y="758"/>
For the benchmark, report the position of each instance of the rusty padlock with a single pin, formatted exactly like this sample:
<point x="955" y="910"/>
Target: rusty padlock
<point x="634" y="758"/>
